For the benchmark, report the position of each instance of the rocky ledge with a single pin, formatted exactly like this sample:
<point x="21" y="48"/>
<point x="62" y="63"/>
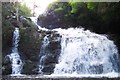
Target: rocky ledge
<point x="36" y="77"/>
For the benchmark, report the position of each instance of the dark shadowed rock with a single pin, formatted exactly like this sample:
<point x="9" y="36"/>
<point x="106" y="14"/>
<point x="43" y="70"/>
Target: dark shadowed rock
<point x="30" y="43"/>
<point x="29" y="67"/>
<point x="6" y="60"/>
<point x="7" y="34"/>
<point x="6" y="69"/>
<point x="48" y="69"/>
<point x="51" y="52"/>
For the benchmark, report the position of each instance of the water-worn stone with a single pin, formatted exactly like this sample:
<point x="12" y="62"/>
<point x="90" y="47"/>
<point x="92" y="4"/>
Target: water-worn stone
<point x="52" y="51"/>
<point x="29" y="43"/>
<point x="6" y="69"/>
<point x="48" y="69"/>
<point x="6" y="60"/>
<point x="29" y="67"/>
<point x="7" y="34"/>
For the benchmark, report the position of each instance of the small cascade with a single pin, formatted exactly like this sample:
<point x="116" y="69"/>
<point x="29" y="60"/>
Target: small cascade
<point x="84" y="52"/>
<point x="43" y="53"/>
<point x="34" y="19"/>
<point x="14" y="56"/>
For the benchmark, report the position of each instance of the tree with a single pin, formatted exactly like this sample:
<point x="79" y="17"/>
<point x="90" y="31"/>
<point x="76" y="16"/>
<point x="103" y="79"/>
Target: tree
<point x="23" y="9"/>
<point x="96" y="16"/>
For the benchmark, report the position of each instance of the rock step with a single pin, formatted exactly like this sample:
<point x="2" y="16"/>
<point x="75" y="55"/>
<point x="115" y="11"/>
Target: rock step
<point x="53" y="78"/>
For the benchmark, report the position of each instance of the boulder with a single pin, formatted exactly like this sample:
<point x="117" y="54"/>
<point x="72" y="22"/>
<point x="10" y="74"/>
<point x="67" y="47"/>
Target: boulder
<point x="29" y="43"/>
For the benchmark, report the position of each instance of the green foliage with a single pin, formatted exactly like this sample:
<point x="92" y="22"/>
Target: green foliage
<point x="76" y="6"/>
<point x="24" y="10"/>
<point x="91" y="5"/>
<point x="99" y="17"/>
<point x="9" y="10"/>
<point x="57" y="13"/>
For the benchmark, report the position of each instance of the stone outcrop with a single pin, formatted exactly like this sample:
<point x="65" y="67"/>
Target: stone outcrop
<point x="7" y="34"/>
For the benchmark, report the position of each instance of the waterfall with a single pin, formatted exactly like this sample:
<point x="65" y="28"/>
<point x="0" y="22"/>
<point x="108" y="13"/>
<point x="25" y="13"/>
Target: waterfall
<point x="34" y="20"/>
<point x="43" y="53"/>
<point x="84" y="52"/>
<point x="14" y="56"/>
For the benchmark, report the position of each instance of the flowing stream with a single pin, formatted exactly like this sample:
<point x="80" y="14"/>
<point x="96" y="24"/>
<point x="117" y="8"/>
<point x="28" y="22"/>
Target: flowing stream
<point x="43" y="53"/>
<point x="84" y="52"/>
<point x="14" y="56"/>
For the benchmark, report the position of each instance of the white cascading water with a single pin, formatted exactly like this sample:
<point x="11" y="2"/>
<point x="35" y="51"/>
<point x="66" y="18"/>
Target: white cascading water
<point x="14" y="56"/>
<point x="34" y="19"/>
<point x="84" y="52"/>
<point x="45" y="43"/>
<point x="43" y="52"/>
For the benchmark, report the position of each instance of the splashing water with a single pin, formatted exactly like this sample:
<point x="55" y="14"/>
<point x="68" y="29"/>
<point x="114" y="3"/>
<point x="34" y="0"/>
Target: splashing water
<point x="43" y="53"/>
<point x="14" y="56"/>
<point x="34" y="19"/>
<point x="84" y="52"/>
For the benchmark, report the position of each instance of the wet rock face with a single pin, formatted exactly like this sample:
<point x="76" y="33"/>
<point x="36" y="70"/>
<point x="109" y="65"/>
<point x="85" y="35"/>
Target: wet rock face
<point x="29" y="67"/>
<point x="52" y="51"/>
<point x="6" y="66"/>
<point x="29" y="43"/>
<point x="7" y="34"/>
<point x="6" y="69"/>
<point x="6" y="60"/>
<point x="29" y="47"/>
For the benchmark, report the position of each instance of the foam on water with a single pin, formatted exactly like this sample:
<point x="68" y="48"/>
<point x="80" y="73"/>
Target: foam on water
<point x="14" y="56"/>
<point x="43" y="53"/>
<point x="85" y="53"/>
<point x="34" y="19"/>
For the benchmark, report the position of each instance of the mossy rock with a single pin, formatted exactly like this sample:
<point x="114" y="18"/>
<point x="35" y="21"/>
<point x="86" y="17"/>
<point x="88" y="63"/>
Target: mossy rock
<point x="30" y="42"/>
